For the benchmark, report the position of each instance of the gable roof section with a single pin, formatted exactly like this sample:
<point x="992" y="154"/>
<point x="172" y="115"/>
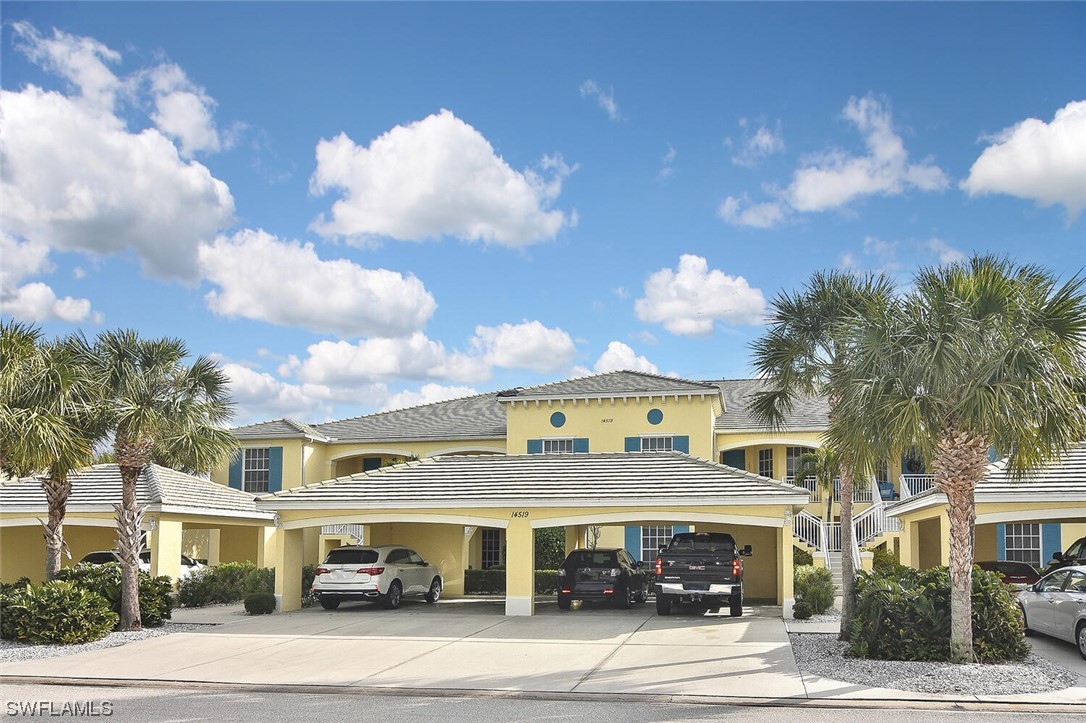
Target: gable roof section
<point x="279" y="429"/>
<point x="808" y="413"/>
<point x="1063" y="479"/>
<point x="592" y="480"/>
<point x="478" y="417"/>
<point x="97" y="488"/>
<point x="611" y="384"/>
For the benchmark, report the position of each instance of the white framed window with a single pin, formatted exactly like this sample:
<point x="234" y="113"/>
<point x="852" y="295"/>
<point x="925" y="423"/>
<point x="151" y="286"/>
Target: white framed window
<point x="492" y="547"/>
<point x="1024" y="542"/>
<point x="257" y="469"/>
<point x="658" y="444"/>
<point x="558" y="446"/>
<point x="791" y="458"/>
<point x="653" y="537"/>
<point x="765" y="462"/>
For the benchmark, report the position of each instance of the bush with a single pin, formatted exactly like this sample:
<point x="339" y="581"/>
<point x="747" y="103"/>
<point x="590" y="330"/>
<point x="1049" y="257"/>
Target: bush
<point x="801" y="557"/>
<point x="156" y="593"/>
<point x="8" y="592"/>
<point x="801" y="610"/>
<point x="225" y="583"/>
<point x="309" y="573"/>
<point x="906" y="616"/>
<point x="884" y="560"/>
<point x="57" y="612"/>
<point x="260" y="603"/>
<point x="814" y="586"/>
<point x="546" y="582"/>
<point x="491" y="581"/>
<point x="550" y="547"/>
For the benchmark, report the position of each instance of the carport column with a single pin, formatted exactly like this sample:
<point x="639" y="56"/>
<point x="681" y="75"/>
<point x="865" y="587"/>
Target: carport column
<point x="909" y="550"/>
<point x="311" y="545"/>
<point x="574" y="537"/>
<point x="785" y="588"/>
<point x="288" y="570"/>
<point x="519" y="567"/>
<point x="213" y="546"/>
<point x="165" y="547"/>
<point x="265" y="546"/>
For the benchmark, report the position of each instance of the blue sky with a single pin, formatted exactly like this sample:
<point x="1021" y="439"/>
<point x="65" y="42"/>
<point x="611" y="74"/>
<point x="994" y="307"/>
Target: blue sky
<point x="361" y="206"/>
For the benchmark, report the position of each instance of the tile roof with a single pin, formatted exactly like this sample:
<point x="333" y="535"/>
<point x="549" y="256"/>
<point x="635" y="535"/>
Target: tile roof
<point x="478" y="417"/>
<point x="609" y="478"/>
<point x="808" y="413"/>
<point x="610" y="384"/>
<point x="97" y="488"/>
<point x="278" y="429"/>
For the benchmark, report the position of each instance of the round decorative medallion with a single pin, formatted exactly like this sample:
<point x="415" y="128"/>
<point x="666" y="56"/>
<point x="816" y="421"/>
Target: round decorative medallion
<point x="655" y="416"/>
<point x="558" y="419"/>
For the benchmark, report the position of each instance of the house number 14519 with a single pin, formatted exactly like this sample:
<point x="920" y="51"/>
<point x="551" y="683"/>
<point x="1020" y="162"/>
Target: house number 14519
<point x="519" y="513"/>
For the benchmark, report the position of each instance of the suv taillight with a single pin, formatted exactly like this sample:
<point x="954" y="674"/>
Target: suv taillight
<point x="659" y="566"/>
<point x="322" y="571"/>
<point x="370" y="570"/>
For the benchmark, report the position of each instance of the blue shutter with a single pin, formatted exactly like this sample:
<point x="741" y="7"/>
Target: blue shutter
<point x="633" y="444"/>
<point x="633" y="541"/>
<point x="1050" y="541"/>
<point x="676" y="529"/>
<point x="535" y="446"/>
<point x="736" y="458"/>
<point x="580" y="444"/>
<point x="237" y="470"/>
<point x="1001" y="542"/>
<point x="681" y="444"/>
<point x="275" y="469"/>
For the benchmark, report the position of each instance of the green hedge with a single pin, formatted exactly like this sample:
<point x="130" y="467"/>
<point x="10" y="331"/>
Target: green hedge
<point x="156" y="593"/>
<point x="905" y="615"/>
<point x="491" y="581"/>
<point x="58" y="612"/>
<point x="801" y="557"/>
<point x="225" y="583"/>
<point x="260" y="603"/>
<point x="814" y="587"/>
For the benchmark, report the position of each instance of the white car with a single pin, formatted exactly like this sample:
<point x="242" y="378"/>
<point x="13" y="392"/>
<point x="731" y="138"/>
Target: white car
<point x="1056" y="605"/>
<point x="101" y="557"/>
<point x="383" y="574"/>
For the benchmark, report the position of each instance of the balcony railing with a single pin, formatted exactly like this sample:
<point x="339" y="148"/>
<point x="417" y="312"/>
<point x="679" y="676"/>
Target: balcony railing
<point x="914" y="484"/>
<point x="354" y="531"/>
<point x="861" y="492"/>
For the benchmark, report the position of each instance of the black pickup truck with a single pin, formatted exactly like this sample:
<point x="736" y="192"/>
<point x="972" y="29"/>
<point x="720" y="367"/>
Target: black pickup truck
<point x="700" y="567"/>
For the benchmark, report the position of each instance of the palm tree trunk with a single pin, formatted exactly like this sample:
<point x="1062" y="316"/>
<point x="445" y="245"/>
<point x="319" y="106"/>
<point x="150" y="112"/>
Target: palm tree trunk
<point x="57" y="488"/>
<point x="129" y="522"/>
<point x="960" y="461"/>
<point x="848" y="565"/>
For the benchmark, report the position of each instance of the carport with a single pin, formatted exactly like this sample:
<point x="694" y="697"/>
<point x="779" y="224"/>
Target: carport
<point x="427" y="505"/>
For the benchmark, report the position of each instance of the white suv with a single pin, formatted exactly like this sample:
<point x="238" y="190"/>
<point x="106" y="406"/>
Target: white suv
<point x="385" y="573"/>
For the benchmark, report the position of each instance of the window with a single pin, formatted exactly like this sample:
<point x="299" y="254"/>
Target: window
<point x="653" y="537"/>
<point x="257" y="470"/>
<point x="657" y="444"/>
<point x="1055" y="581"/>
<point x="765" y="462"/>
<point x="558" y="446"/>
<point x="882" y="472"/>
<point x="351" y="556"/>
<point x="792" y="455"/>
<point x="1024" y="542"/>
<point x="492" y="548"/>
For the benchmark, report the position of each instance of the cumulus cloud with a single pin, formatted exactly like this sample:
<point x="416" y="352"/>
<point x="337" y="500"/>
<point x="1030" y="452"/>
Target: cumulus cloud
<point x="946" y="253"/>
<point x="755" y="147"/>
<point x="74" y="177"/>
<point x="528" y="345"/>
<point x="260" y="396"/>
<point x="619" y="357"/>
<point x="433" y="178"/>
<point x="183" y="110"/>
<point x="739" y="211"/>
<point x="881" y="255"/>
<point x="340" y="363"/>
<point x="837" y="178"/>
<point x="688" y="301"/>
<point x="1038" y="161"/>
<point x="294" y="287"/>
<point x="427" y="394"/>
<point x="35" y="302"/>
<point x="605" y="98"/>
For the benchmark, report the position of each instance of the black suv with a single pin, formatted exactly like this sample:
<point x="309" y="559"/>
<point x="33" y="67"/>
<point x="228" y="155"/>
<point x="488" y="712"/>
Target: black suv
<point x="609" y="574"/>
<point x="1075" y="555"/>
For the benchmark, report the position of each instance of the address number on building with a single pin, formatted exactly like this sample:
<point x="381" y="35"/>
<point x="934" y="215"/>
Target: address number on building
<point x="519" y="513"/>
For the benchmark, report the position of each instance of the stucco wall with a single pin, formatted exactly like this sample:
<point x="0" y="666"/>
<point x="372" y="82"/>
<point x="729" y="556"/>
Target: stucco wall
<point x="22" y="549"/>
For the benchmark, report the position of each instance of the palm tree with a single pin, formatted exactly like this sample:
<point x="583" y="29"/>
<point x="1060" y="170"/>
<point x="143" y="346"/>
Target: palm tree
<point x="801" y="355"/>
<point x="163" y="412"/>
<point x="47" y="421"/>
<point x="824" y="465"/>
<point x="979" y="355"/>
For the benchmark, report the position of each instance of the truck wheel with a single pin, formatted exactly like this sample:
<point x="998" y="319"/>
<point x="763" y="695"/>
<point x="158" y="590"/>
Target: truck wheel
<point x="663" y="604"/>
<point x="625" y="600"/>
<point x="737" y="606"/>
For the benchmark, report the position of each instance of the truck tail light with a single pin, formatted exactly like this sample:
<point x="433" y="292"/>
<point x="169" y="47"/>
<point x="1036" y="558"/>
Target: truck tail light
<point x="370" y="570"/>
<point x="737" y="567"/>
<point x="659" y="566"/>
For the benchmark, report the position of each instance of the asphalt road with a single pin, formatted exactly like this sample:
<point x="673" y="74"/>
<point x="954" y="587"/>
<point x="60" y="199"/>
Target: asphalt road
<point x="189" y="705"/>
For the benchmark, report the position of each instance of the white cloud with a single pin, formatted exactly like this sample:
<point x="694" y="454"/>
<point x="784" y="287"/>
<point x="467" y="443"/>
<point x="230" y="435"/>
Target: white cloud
<point x="260" y="396"/>
<point x="668" y="162"/>
<point x="432" y="178"/>
<point x="688" y="301"/>
<point x="528" y="345"/>
<point x="183" y="110"/>
<point x="36" y="302"/>
<point x="946" y="253"/>
<point x="739" y="211"/>
<point x="74" y="177"/>
<point x="757" y="146"/>
<point x="1043" y="162"/>
<point x="428" y="394"/>
<point x="340" y="363"/>
<point x="260" y="277"/>
<point x="836" y="178"/>
<point x="619" y="357"/>
<point x="605" y="98"/>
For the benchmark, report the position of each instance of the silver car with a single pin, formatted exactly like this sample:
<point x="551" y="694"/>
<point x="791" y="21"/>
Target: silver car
<point x="384" y="574"/>
<point x="1056" y="605"/>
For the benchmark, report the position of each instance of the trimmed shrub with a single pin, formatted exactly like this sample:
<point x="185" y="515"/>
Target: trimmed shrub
<point x="225" y="583"/>
<point x="801" y="557"/>
<point x="814" y="586"/>
<point x="156" y="593"/>
<point x="884" y="560"/>
<point x="801" y="610"/>
<point x="906" y="616"/>
<point x="550" y="547"/>
<point x="546" y="582"/>
<point x="8" y="592"/>
<point x="57" y="612"/>
<point x="309" y="573"/>
<point x="491" y="581"/>
<point x="260" y="603"/>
